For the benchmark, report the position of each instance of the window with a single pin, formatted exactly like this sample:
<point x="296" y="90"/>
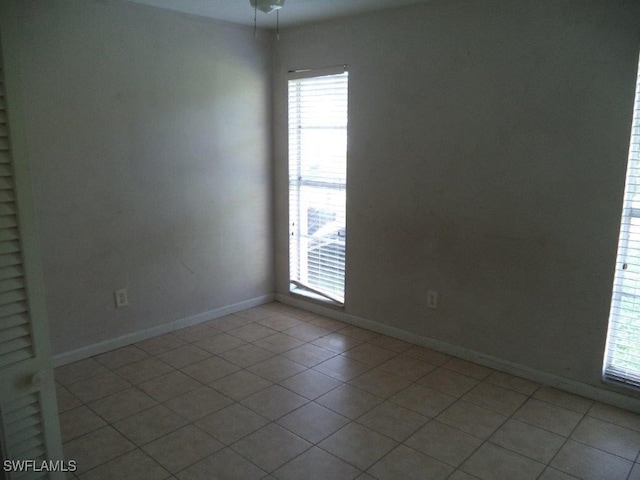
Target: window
<point x="318" y="102"/>
<point x="622" y="358"/>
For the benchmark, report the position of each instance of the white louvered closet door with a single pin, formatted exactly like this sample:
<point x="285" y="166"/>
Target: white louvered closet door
<point x="28" y="415"/>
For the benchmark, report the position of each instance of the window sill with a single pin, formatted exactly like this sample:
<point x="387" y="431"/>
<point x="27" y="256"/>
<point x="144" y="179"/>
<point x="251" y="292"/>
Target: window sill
<point x="307" y="295"/>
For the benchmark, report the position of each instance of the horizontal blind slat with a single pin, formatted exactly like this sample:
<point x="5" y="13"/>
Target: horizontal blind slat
<point x="622" y="358"/>
<point x="318" y="120"/>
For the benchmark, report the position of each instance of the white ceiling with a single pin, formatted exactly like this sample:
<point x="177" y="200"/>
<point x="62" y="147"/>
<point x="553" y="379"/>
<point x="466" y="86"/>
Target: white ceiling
<point x="294" y="12"/>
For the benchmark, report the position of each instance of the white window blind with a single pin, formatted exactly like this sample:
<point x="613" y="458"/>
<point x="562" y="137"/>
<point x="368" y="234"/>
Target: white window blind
<point x="622" y="358"/>
<point x="317" y="183"/>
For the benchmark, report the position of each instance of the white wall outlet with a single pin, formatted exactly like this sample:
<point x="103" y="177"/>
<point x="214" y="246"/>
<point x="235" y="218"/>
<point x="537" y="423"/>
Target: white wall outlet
<point x="121" y="298"/>
<point x="432" y="299"/>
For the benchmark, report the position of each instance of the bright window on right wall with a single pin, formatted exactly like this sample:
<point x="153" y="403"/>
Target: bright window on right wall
<point x="622" y="356"/>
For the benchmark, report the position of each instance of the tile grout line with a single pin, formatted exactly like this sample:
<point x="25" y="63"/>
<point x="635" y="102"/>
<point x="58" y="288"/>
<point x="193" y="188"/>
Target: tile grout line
<point x="372" y="367"/>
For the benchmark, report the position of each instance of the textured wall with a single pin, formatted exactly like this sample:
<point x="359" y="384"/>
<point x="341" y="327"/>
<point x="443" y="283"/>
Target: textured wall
<point x="487" y="149"/>
<point x="149" y="137"/>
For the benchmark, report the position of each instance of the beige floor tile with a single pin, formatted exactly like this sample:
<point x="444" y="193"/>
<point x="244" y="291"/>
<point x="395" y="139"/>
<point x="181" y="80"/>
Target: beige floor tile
<point x="79" y="421"/>
<point x="196" y="333"/>
<point x="252" y="332"/>
<point x="246" y="355"/>
<point x="550" y="417"/>
<point x="460" y="475"/>
<point x="635" y="472"/>
<point x="423" y="400"/>
<point x="198" y="403"/>
<point x="232" y="423"/>
<point x="220" y="343"/>
<point x="342" y="368"/>
<point x="121" y="357"/>
<point x="160" y="344"/>
<point x="168" y="386"/>
<point x="313" y="422"/>
<point x="144" y="427"/>
<point x="533" y="442"/>
<point x="328" y="323"/>
<point x="472" y="419"/>
<point x="364" y="476"/>
<point x="182" y="356"/>
<point x="227" y="464"/>
<point x="241" y="384"/>
<point x="210" y="369"/>
<point x="148" y="369"/>
<point x="393" y="421"/>
<point x="491" y="462"/>
<point x="279" y="307"/>
<point x="133" y="465"/>
<point x="256" y="313"/>
<point x="122" y="404"/>
<point x="589" y="463"/>
<point x="66" y="399"/>
<point x="337" y="342"/>
<point x="315" y="463"/>
<point x="96" y="448"/>
<point x="380" y="383"/>
<point x="359" y="333"/>
<point x="391" y="343"/>
<point x="495" y="398"/>
<point x="277" y="368"/>
<point x="553" y="474"/>
<point x="280" y="322"/>
<point x="370" y="354"/>
<point x="349" y="401"/>
<point x="608" y="437"/>
<point x="278" y="343"/>
<point x="181" y="448"/>
<point x="467" y="368"/>
<point x="307" y="332"/>
<point x="563" y="399"/>
<point x="621" y="417"/>
<point x="407" y="367"/>
<point x="74" y="372"/>
<point x="407" y="463"/>
<point x="358" y="445"/>
<point x="427" y="355"/>
<point x="98" y="386"/>
<point x="271" y="447"/>
<point x="311" y="384"/>
<point x="448" y="382"/>
<point x="358" y="429"/>
<point x="445" y="443"/>
<point x="229" y="322"/>
<point x="309" y="354"/>
<point x="274" y="402"/>
<point x="511" y="382"/>
<point x="290" y="310"/>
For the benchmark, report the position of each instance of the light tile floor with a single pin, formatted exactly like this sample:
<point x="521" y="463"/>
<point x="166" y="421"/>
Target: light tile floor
<point x="275" y="392"/>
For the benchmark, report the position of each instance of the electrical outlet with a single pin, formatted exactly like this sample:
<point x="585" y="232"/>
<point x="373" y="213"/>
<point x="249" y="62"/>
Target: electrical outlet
<point x="121" y="298"/>
<point x="432" y="299"/>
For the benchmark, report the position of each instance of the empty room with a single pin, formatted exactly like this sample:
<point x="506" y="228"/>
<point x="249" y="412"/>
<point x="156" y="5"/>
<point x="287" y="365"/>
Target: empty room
<point x="320" y="239"/>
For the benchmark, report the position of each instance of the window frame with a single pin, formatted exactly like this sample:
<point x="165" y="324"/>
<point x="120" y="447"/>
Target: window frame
<point x="613" y="369"/>
<point x="299" y="283"/>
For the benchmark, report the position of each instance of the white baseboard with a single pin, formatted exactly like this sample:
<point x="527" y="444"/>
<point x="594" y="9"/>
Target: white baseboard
<point x="124" y="340"/>
<point x="599" y="394"/>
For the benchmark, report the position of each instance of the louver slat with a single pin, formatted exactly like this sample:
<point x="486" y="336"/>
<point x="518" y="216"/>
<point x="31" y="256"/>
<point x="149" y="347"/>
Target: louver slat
<point x="21" y="420"/>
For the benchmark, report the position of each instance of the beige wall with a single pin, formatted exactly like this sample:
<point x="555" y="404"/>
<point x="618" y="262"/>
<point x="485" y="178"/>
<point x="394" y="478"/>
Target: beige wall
<point x="487" y="150"/>
<point x="149" y="137"/>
